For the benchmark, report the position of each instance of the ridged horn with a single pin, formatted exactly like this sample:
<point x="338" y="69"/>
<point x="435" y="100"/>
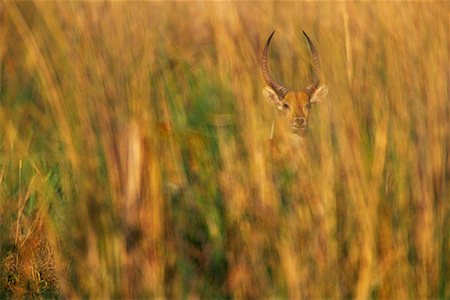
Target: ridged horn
<point x="278" y="88"/>
<point x="316" y="64"/>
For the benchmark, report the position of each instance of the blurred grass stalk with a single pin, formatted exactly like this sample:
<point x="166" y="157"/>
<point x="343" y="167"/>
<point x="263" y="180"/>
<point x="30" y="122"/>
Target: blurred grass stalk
<point x="135" y="158"/>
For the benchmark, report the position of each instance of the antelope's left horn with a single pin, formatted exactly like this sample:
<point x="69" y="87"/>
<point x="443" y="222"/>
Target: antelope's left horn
<point x="310" y="89"/>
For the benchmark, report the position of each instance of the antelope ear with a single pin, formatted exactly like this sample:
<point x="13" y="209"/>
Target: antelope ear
<point x="271" y="96"/>
<point x="319" y="94"/>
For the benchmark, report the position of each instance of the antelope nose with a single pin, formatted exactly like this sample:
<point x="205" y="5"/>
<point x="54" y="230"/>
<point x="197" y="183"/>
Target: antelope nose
<point x="300" y="121"/>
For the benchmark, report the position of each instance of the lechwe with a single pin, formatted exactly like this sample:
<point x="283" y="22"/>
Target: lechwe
<point x="295" y="105"/>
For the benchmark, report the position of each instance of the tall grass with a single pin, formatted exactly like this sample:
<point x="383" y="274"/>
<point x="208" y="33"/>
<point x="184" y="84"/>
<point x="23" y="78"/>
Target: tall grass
<point x="136" y="159"/>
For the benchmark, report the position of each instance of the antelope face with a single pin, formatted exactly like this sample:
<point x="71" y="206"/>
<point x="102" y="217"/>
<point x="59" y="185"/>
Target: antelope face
<point x="297" y="112"/>
<point x="295" y="105"/>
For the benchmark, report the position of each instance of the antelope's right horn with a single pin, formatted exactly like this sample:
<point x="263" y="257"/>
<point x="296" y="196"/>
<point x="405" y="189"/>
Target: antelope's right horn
<point x="278" y="88"/>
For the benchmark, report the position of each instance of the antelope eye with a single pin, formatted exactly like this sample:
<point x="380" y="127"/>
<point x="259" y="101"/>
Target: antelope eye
<point x="286" y="106"/>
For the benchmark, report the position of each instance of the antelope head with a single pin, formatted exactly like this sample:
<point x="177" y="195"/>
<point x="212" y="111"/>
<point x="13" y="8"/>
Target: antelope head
<point x="296" y="105"/>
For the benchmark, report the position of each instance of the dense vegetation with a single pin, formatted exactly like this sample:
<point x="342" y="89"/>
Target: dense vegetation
<point x="136" y="159"/>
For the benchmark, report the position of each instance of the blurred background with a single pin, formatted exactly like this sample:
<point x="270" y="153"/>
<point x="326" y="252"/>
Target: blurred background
<point x="136" y="158"/>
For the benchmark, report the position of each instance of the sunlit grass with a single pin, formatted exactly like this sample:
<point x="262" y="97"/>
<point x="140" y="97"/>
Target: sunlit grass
<point x="136" y="158"/>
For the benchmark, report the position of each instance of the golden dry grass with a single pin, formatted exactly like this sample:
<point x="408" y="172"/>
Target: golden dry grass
<point x="135" y="158"/>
